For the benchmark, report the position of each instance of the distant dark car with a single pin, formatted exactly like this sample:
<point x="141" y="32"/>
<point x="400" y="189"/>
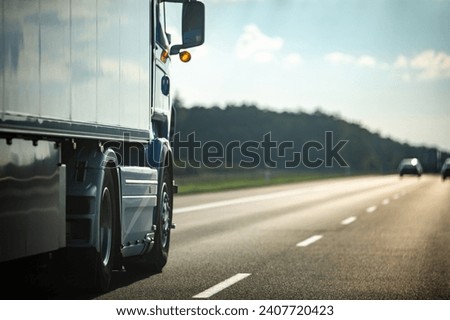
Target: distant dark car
<point x="445" y="171"/>
<point x="410" y="166"/>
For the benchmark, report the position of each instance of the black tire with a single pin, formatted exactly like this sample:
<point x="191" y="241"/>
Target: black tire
<point x="155" y="260"/>
<point x="88" y="268"/>
<point x="103" y="261"/>
<point x="160" y="251"/>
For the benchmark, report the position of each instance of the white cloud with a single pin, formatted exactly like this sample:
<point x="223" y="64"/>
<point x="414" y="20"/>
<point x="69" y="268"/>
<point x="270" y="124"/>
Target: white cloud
<point x="366" y="61"/>
<point x="427" y="65"/>
<point x="253" y="44"/>
<point x="339" y="58"/>
<point x="432" y="65"/>
<point x="401" y="62"/>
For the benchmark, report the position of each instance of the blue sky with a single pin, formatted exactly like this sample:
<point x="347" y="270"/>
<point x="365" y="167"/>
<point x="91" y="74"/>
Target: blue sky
<point x="382" y="63"/>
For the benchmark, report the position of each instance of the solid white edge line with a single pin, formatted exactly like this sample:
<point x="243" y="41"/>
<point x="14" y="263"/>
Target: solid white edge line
<point x="371" y="209"/>
<point x="309" y="241"/>
<point x="221" y="286"/>
<point x="256" y="198"/>
<point x="229" y="202"/>
<point x="348" y="220"/>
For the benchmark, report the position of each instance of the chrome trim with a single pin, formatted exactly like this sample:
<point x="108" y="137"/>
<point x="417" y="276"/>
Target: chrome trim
<point x="135" y="181"/>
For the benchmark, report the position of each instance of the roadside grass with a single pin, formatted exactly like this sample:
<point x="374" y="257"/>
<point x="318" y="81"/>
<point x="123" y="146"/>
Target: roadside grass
<point x="222" y="182"/>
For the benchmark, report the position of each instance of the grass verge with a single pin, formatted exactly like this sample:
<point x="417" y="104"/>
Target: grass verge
<point x="201" y="184"/>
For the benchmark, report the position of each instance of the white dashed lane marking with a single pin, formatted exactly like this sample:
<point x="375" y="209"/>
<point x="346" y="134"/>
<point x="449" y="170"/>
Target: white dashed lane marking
<point x="348" y="220"/>
<point x="309" y="241"/>
<point x="305" y="243"/>
<point x="221" y="286"/>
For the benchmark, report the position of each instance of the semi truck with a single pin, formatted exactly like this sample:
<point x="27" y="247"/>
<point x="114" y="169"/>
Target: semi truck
<point x="86" y="164"/>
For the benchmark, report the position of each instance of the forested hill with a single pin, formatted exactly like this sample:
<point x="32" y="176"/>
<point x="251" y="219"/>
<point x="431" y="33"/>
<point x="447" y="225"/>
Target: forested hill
<point x="246" y="136"/>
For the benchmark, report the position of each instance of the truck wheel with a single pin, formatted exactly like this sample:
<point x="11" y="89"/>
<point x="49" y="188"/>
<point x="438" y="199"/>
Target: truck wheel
<point x="160" y="251"/>
<point x="107" y="237"/>
<point x="154" y="260"/>
<point x="88" y="268"/>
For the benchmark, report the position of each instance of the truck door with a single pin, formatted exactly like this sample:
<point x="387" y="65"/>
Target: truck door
<point x="161" y="81"/>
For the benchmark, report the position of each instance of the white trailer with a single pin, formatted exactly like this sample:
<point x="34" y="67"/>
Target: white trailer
<point x="85" y="127"/>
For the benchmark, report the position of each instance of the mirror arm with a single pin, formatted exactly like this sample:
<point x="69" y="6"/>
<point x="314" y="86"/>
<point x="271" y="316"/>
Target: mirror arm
<point x="176" y="49"/>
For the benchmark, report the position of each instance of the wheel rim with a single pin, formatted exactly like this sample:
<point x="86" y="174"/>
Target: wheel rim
<point x="106" y="227"/>
<point x="165" y="216"/>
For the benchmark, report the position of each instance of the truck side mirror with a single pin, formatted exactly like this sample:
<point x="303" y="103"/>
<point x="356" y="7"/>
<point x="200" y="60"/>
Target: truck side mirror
<point x="193" y="25"/>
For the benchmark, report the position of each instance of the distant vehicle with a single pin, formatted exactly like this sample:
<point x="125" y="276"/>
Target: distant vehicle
<point x="445" y="171"/>
<point x="410" y="166"/>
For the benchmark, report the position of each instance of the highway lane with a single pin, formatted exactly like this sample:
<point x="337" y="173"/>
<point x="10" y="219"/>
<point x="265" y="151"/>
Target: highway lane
<point x="370" y="237"/>
<point x="373" y="237"/>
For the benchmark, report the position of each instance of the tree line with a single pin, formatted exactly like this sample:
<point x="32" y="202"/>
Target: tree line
<point x="245" y="137"/>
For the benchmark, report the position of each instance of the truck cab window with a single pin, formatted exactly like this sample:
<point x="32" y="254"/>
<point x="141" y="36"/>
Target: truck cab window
<point x="161" y="37"/>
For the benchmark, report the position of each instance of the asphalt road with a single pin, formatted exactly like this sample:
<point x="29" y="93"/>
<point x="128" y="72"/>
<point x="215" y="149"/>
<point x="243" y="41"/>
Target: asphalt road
<point x="352" y="238"/>
<point x="371" y="237"/>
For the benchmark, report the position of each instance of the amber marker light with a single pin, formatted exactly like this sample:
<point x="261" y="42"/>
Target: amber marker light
<point x="164" y="55"/>
<point x="185" y="56"/>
